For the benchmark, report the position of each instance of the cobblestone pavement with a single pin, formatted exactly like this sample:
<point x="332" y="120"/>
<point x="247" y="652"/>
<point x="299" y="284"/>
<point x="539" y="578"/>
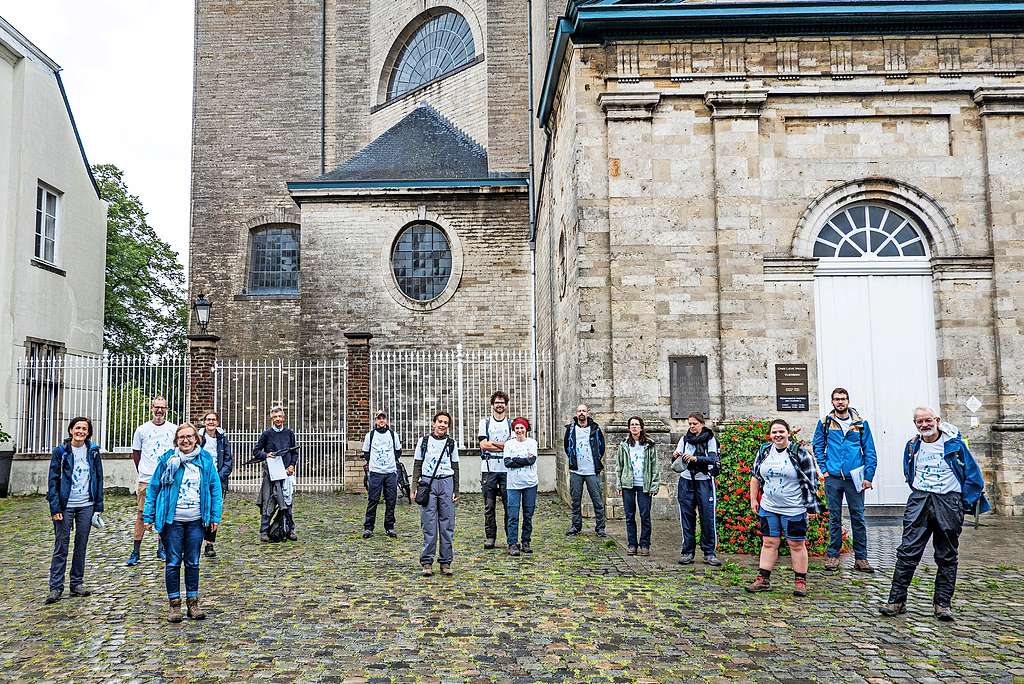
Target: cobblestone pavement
<point x="334" y="608"/>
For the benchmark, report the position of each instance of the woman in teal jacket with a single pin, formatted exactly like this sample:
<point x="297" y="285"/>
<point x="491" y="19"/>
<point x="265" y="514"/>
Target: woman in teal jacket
<point x="183" y="501"/>
<point x="638" y="476"/>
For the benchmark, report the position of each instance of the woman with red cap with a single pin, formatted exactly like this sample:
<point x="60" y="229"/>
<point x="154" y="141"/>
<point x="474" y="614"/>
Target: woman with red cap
<point x="521" y="461"/>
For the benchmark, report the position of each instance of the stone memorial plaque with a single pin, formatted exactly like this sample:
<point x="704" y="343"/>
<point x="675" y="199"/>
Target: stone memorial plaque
<point x="688" y="380"/>
<point x="791" y="393"/>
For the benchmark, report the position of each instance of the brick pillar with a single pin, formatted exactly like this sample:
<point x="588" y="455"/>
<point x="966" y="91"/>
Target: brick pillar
<point x="357" y="406"/>
<point x="202" y="351"/>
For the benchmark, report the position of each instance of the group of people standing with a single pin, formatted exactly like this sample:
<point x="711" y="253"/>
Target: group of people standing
<point x="183" y="475"/>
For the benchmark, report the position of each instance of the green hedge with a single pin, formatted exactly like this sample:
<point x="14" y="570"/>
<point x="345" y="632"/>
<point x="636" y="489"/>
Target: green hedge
<point x="738" y="527"/>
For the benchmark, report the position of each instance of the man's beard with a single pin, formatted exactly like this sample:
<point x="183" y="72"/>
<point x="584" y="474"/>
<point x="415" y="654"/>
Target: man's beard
<point x="928" y="432"/>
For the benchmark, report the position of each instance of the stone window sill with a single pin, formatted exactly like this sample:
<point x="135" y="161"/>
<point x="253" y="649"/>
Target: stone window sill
<point x="47" y="266"/>
<point x="244" y="297"/>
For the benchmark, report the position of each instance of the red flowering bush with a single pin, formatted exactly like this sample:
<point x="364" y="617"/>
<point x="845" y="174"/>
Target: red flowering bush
<point x="739" y="530"/>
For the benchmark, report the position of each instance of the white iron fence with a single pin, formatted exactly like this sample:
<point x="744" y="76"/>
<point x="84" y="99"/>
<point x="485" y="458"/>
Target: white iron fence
<point x="312" y="393"/>
<point x="413" y="384"/>
<point x="114" y="391"/>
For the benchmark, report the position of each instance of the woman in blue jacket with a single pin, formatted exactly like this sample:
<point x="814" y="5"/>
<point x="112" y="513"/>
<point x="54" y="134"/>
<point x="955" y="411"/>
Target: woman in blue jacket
<point x="75" y="493"/>
<point x="183" y="502"/>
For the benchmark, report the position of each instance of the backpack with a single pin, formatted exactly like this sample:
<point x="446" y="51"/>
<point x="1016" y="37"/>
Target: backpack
<point x="487" y="431"/>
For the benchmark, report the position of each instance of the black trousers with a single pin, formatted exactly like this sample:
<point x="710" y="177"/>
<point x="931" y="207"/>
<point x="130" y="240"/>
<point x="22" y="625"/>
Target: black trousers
<point x="493" y="486"/>
<point x="939" y="517"/>
<point x="377" y="483"/>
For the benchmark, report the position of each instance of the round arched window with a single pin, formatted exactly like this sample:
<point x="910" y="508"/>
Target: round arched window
<point x="421" y="260"/>
<point x="870" y="230"/>
<point x="442" y="44"/>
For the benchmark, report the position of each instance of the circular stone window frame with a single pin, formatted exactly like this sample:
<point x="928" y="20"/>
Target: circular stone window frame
<point x="454" y="278"/>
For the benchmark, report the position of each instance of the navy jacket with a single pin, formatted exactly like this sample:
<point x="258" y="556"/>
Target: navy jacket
<point x="222" y="459"/>
<point x="596" y="445"/>
<point x="62" y="463"/>
<point x="272" y="442"/>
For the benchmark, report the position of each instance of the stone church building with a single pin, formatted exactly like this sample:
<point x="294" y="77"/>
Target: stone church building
<point x="736" y="206"/>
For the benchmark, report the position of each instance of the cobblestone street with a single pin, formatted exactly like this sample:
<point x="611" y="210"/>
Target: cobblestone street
<point x="334" y="607"/>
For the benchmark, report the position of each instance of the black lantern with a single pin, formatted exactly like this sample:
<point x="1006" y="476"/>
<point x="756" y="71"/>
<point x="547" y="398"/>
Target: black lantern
<point x="201" y="306"/>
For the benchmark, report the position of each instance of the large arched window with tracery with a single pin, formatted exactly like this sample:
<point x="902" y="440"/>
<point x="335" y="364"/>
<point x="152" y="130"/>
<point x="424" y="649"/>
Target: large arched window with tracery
<point x="440" y="45"/>
<point x="870" y="230"/>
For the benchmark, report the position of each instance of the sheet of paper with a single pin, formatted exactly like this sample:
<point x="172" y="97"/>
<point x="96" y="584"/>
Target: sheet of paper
<point x="275" y="466"/>
<point x="857" y="475"/>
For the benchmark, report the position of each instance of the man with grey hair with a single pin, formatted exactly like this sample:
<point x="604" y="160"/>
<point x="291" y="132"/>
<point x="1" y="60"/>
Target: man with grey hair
<point x="149" y="442"/>
<point x="276" y="442"/>
<point x="584" y="447"/>
<point x="944" y="481"/>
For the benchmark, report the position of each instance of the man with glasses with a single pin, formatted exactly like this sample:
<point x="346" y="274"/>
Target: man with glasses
<point x="150" y="441"/>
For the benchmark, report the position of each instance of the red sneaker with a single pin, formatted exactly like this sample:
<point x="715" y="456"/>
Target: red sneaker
<point x="800" y="587"/>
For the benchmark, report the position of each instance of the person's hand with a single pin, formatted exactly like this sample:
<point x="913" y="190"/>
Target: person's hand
<point x="826" y="473"/>
<point x="291" y="470"/>
<point x="867" y="485"/>
<point x="690" y="458"/>
<point x="149" y="527"/>
<point x="214" y="526"/>
<point x="455" y="497"/>
<point x="366" y="467"/>
<point x="57" y="516"/>
<point x="271" y="455"/>
<point x="675" y="455"/>
<point x="754" y="506"/>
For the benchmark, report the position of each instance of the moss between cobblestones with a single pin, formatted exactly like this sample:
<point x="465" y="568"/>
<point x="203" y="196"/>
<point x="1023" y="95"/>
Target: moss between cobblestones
<point x="335" y="607"/>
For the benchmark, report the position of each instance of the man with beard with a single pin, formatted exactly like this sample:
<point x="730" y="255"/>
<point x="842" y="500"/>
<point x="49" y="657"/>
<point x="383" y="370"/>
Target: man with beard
<point x="584" y="447"/>
<point x="494" y="431"/>
<point x="945" y="481"/>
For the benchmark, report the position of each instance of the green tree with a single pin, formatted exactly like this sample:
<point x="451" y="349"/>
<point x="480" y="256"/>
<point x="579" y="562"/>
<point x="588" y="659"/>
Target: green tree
<point x="146" y="307"/>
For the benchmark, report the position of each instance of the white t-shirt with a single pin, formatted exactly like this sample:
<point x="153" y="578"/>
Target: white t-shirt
<point x="690" y="449"/>
<point x="497" y="431"/>
<point x="187" y="508"/>
<point x="382" y="451"/>
<point x="80" y="494"/>
<point x="435" y="450"/>
<point x="636" y="461"/>
<point x="525" y="477"/>
<point x="153" y="441"/>
<point x="584" y="456"/>
<point x="931" y="472"/>
<point x="845" y="424"/>
<point x="782" y="494"/>
<point x="211" y="446"/>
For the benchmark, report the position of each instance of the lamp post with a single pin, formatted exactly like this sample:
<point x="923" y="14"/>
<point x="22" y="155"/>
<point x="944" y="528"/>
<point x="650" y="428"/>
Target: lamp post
<point x="201" y="307"/>
<point x="202" y="349"/>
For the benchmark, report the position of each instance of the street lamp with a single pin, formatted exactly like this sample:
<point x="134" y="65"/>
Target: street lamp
<point x="201" y="306"/>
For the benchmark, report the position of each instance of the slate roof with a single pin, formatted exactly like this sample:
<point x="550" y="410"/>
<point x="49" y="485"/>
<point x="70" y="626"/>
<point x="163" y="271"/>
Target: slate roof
<point x="422" y="146"/>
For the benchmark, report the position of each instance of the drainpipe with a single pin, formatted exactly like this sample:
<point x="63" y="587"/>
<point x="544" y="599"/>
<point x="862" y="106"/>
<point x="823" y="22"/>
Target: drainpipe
<point x="533" y="225"/>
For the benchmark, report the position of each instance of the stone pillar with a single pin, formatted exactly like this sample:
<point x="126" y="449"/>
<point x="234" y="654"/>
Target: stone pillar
<point x="1002" y="125"/>
<point x="664" y="505"/>
<point x="741" y="241"/>
<point x="202" y="349"/>
<point x="357" y="406"/>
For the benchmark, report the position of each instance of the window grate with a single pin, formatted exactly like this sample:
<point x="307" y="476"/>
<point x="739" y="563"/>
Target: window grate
<point x="422" y="261"/>
<point x="441" y="45"/>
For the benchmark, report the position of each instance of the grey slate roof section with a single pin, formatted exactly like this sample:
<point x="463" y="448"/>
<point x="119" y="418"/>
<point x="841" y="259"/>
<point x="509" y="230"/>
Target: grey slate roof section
<point x="422" y="146"/>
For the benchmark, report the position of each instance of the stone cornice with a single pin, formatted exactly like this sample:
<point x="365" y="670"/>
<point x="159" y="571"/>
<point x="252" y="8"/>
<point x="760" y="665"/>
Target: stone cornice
<point x="740" y="104"/>
<point x="1000" y="100"/>
<point x="629" y="106"/>
<point x="785" y="268"/>
<point x="962" y="267"/>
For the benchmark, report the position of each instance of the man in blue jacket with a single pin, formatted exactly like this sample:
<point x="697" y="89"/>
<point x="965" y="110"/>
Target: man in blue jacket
<point x="584" y="447"/>
<point x="846" y="457"/>
<point x="944" y="482"/>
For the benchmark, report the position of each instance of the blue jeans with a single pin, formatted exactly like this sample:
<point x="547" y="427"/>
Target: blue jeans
<point x="527" y="498"/>
<point x="81" y="519"/>
<point x="633" y="499"/>
<point x="184" y="541"/>
<point x="835" y="489"/>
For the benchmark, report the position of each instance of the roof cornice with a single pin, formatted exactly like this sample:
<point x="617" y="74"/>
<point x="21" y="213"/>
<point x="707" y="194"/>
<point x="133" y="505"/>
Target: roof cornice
<point x="313" y="191"/>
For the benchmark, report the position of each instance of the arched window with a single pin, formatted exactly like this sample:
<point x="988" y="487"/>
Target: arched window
<point x="421" y="260"/>
<point x="870" y="230"/>
<point x="274" y="261"/>
<point x="442" y="44"/>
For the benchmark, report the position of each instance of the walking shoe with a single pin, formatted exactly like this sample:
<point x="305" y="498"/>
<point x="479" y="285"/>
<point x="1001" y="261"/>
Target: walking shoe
<point x="944" y="613"/>
<point x="601" y="533"/>
<point x="292" y="536"/>
<point x="631" y="551"/>
<point x="645" y="551"/>
<point x="799" y="587"/>
<point x="489" y="544"/>
<point x="863" y="566"/>
<point x="428" y="570"/>
<point x="760" y="583"/>
<point x="391" y="533"/>
<point x="572" y="531"/>
<point x="133" y="559"/>
<point x="685" y="559"/>
<point x="194" y="612"/>
<point x="52" y="597"/>
<point x="513" y="549"/>
<point x="160" y="553"/>
<point x="367" y="534"/>
<point x="527" y="549"/>
<point x="893" y="609"/>
<point x="446" y="569"/>
<point x="174" y="610"/>
<point x="210" y="551"/>
<point x="832" y="563"/>
<point x="264" y="537"/>
<point x="80" y="590"/>
<point x="712" y="560"/>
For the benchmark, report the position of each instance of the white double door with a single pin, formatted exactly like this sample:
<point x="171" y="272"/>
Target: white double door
<point x="876" y="338"/>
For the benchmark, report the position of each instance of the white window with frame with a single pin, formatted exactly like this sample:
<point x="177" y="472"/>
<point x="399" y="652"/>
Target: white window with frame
<point x="47" y="217"/>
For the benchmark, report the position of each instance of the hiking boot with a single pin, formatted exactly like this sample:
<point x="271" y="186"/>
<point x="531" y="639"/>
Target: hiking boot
<point x="944" y="613"/>
<point x="292" y="536"/>
<point x="630" y="550"/>
<point x="264" y="537"/>
<point x="446" y="569"/>
<point x="513" y="549"/>
<point x="893" y="609"/>
<point x="526" y="548"/>
<point x="685" y="559"/>
<point x="760" y="583"/>
<point x="489" y="544"/>
<point x="80" y="590"/>
<point x="832" y="563"/>
<point x="799" y="587"/>
<point x="194" y="611"/>
<point x="572" y="531"/>
<point x="174" y="610"/>
<point x="133" y="559"/>
<point x="713" y="561"/>
<point x="367" y="534"/>
<point x="863" y="566"/>
<point x="601" y="533"/>
<point x="53" y="596"/>
<point x="428" y="570"/>
<point x="391" y="533"/>
<point x="645" y="551"/>
<point x="210" y="551"/>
